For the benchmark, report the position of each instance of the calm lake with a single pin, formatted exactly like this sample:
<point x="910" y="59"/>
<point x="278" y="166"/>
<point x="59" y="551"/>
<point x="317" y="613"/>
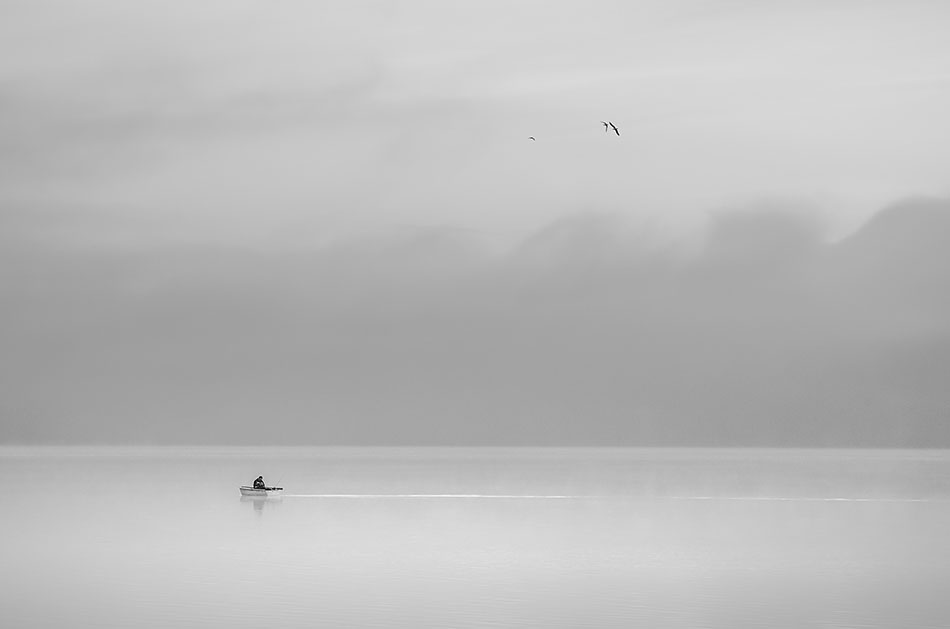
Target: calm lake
<point x="481" y="537"/>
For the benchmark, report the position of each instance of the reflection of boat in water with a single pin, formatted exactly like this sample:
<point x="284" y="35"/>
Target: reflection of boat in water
<point x="259" y="501"/>
<point x="260" y="493"/>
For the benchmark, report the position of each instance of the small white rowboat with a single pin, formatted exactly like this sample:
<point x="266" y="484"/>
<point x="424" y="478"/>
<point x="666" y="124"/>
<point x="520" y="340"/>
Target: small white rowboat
<point x="263" y="493"/>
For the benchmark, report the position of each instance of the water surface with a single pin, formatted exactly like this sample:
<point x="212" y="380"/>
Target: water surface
<point x="157" y="537"/>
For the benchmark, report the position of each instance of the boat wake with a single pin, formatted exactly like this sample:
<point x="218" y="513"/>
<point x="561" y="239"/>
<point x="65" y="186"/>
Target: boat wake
<point x="799" y="499"/>
<point x="433" y="496"/>
<point x="601" y="497"/>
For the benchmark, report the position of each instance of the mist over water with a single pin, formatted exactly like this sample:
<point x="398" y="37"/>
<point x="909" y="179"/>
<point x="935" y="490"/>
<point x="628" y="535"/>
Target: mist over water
<point x="154" y="537"/>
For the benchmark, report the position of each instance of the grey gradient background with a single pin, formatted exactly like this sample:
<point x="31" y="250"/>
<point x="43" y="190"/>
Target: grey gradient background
<point x="323" y="223"/>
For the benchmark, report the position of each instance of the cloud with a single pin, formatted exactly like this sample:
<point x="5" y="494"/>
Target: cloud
<point x="87" y="128"/>
<point x="586" y="333"/>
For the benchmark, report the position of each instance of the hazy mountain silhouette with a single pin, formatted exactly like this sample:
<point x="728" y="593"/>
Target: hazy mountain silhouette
<point x="588" y="333"/>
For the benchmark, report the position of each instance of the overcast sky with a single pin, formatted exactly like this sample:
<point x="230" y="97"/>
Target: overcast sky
<point x="327" y="219"/>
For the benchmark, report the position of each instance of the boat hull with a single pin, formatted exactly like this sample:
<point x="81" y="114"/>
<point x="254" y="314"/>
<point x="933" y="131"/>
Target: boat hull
<point x="260" y="493"/>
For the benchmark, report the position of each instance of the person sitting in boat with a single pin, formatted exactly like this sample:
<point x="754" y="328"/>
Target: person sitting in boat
<point x="259" y="483"/>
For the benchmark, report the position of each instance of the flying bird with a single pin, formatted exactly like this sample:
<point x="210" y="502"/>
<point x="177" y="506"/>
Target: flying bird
<point x="531" y="137"/>
<point x="605" y="125"/>
<point x="614" y="127"/>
